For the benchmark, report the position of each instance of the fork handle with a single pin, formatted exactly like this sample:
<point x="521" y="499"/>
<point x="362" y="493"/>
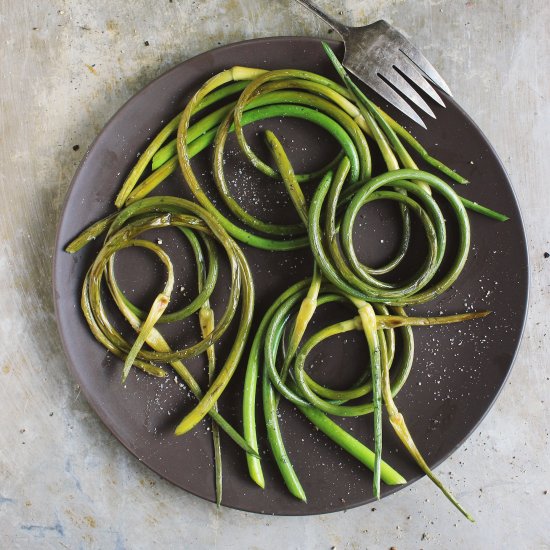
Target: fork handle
<point x="336" y="25"/>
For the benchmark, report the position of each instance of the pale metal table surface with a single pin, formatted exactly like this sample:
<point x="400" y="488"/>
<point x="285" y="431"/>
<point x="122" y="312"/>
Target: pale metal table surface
<point x="65" y="481"/>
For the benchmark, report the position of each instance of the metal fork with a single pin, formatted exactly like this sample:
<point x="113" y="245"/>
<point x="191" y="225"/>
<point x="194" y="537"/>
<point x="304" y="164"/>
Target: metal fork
<point x="382" y="57"/>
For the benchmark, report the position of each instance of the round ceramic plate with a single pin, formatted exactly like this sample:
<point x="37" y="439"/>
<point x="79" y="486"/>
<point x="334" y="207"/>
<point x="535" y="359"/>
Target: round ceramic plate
<point x="458" y="369"/>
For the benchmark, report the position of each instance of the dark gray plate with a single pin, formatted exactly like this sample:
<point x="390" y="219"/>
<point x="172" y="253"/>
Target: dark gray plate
<point x="458" y="371"/>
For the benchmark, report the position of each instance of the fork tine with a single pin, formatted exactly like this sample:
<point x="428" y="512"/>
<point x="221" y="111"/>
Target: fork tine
<point x="419" y="60"/>
<point x="412" y="73"/>
<point x="394" y="78"/>
<point x="425" y="66"/>
<point x="389" y="94"/>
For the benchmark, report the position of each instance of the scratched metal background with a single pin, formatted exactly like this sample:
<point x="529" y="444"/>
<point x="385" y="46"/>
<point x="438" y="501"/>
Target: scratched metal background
<point x="65" y="482"/>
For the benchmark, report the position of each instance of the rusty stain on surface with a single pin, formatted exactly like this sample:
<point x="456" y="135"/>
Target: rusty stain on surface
<point x="147" y="482"/>
<point x="90" y="521"/>
<point x="112" y="25"/>
<point x="81" y="521"/>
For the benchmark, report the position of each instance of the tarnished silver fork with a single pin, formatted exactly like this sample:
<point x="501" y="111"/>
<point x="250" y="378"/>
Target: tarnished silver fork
<point x="382" y="57"/>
